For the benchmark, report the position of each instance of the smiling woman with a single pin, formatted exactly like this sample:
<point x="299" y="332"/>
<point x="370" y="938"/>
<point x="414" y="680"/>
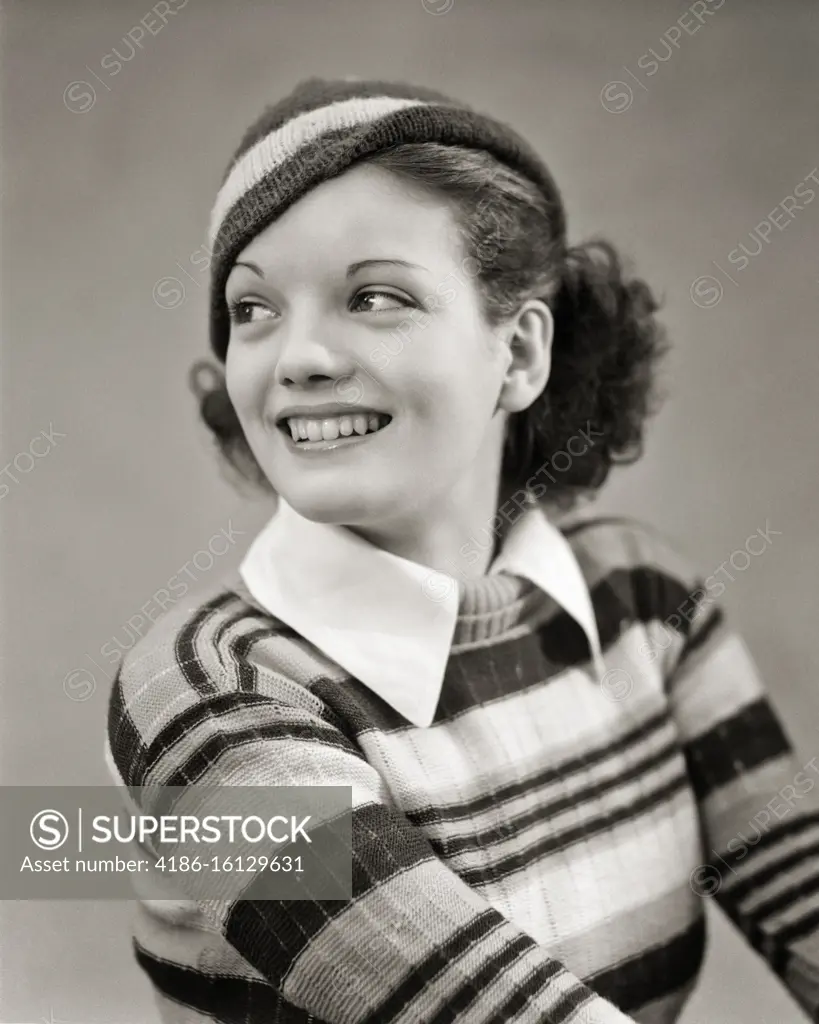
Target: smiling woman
<point x="485" y="264"/>
<point x="407" y="347"/>
<point x="311" y="321"/>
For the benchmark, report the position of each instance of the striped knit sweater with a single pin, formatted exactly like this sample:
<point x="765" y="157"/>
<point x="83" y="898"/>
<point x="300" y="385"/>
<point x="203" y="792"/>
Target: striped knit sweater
<point x="539" y="854"/>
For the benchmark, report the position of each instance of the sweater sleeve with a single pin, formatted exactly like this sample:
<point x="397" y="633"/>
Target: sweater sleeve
<point x="414" y="943"/>
<point x="757" y="797"/>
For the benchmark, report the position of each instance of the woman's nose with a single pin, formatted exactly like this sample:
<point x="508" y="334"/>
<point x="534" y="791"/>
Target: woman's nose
<point x="305" y="360"/>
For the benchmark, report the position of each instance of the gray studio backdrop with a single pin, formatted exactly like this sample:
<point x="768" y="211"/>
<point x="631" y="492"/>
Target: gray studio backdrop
<point x="111" y="488"/>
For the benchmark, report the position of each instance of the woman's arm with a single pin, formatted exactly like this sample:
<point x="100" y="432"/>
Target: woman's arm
<point x="415" y="942"/>
<point x="758" y="800"/>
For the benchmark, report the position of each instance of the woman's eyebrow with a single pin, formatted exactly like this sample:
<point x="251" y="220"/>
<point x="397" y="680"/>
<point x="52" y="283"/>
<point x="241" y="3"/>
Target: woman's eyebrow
<point x="354" y="267"/>
<point x="250" y="266"/>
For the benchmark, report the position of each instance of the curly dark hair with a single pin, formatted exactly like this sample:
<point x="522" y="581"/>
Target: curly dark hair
<point x="607" y="341"/>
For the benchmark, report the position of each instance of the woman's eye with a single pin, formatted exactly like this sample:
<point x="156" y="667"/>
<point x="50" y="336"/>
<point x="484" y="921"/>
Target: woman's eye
<point x="386" y="300"/>
<point x="243" y="312"/>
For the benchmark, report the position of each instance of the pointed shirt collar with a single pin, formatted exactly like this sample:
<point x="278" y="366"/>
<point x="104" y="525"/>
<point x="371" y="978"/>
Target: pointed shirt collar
<point x="387" y="620"/>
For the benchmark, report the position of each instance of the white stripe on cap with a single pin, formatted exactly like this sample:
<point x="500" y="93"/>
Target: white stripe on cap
<point x="272" y="151"/>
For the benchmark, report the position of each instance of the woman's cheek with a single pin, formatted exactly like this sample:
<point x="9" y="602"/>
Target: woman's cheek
<point x="246" y="393"/>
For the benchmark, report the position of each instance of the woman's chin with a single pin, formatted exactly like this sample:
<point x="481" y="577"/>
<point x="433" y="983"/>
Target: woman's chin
<point x="338" y="505"/>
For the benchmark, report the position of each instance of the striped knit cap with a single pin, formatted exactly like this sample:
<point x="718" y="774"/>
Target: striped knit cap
<point x="318" y="131"/>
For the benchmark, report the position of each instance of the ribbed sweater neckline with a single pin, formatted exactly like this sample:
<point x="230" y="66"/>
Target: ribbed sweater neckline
<point x="489" y="606"/>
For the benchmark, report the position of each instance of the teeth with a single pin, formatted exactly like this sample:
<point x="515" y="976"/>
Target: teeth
<point x="329" y="429"/>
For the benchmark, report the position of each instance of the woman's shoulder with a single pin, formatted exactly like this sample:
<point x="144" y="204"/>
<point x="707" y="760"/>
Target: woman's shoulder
<point x="200" y="644"/>
<point x="627" y="539"/>
<point x="218" y="656"/>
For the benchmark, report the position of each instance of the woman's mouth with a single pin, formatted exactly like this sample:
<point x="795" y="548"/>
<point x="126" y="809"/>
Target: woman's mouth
<point x="311" y="434"/>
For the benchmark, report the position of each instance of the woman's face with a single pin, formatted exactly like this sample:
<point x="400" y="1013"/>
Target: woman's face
<point x="357" y="313"/>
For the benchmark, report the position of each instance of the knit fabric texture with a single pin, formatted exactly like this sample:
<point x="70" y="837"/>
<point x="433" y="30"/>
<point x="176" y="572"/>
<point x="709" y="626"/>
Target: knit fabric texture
<point x="320" y="130"/>
<point x="540" y="853"/>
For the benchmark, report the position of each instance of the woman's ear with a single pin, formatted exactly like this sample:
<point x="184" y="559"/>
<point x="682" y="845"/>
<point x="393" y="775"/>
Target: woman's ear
<point x="528" y="339"/>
